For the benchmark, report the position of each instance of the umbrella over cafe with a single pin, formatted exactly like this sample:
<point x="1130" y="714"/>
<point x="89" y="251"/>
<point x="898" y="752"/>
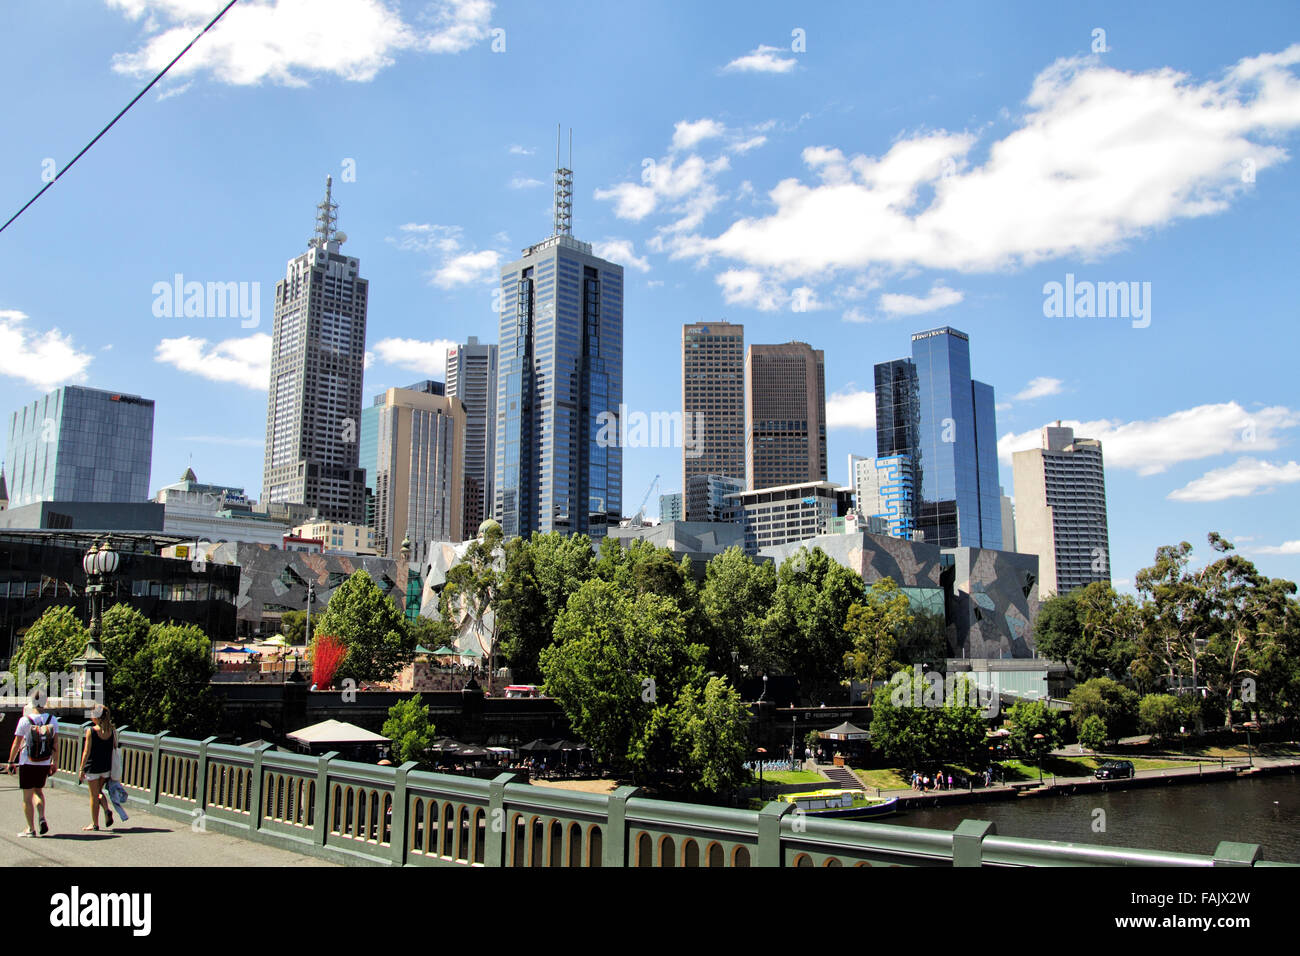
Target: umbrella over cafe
<point x="537" y="746"/>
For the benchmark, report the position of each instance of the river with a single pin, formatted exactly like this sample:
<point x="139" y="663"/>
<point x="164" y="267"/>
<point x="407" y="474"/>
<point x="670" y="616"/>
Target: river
<point x="1188" y="818"/>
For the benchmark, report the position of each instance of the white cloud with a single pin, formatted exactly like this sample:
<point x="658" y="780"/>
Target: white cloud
<point x="851" y="408"/>
<point x="288" y="41"/>
<point x="856" y="315"/>
<point x="745" y="145"/>
<point x="454" y="265"/>
<point x="748" y="287"/>
<point x="1287" y="547"/>
<point x="1040" y="387"/>
<point x="764" y="59"/>
<point x="525" y="182"/>
<point x="1241" y="479"/>
<point x="46" y="360"/>
<point x="427" y="358"/>
<point x="1150" y="447"/>
<point x="939" y="297"/>
<point x="517" y="150"/>
<point x="1099" y="158"/>
<point x="245" y="361"/>
<point x="686" y="135"/>
<point x="621" y="251"/>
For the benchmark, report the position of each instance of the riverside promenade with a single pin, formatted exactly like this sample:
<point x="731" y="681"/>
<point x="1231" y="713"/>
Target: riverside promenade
<point x="144" y="840"/>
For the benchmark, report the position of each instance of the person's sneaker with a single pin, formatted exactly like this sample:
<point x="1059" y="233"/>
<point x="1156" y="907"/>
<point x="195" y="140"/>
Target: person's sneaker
<point x="110" y="818"/>
<point x="28" y="833"/>
<point x="45" y="827"/>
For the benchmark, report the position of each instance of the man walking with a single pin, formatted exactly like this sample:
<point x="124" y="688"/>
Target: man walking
<point x="35" y="746"/>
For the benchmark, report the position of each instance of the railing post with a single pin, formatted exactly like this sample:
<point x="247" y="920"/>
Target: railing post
<point x="968" y="842"/>
<point x="201" y="783"/>
<point x="1236" y="854"/>
<point x="494" y="852"/>
<point x="397" y="836"/>
<point x="320" y="829"/>
<point x="255" y="789"/>
<point x="769" y="833"/>
<point x="155" y="766"/>
<point x="614" y="853"/>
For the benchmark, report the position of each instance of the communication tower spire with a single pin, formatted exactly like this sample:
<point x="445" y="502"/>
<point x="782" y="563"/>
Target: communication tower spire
<point x="563" y="188"/>
<point x="327" y="214"/>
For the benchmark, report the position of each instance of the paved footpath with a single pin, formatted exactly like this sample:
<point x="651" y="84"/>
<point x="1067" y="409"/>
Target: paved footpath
<point x="144" y="840"/>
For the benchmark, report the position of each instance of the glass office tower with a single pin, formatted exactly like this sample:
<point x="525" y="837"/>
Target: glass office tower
<point x="930" y="409"/>
<point x="559" y="460"/>
<point x="80" y="444"/>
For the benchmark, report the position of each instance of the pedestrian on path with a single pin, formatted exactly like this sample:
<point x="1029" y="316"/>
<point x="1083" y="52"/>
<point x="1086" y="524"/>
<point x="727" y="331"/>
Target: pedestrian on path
<point x="35" y="752"/>
<point x="97" y="763"/>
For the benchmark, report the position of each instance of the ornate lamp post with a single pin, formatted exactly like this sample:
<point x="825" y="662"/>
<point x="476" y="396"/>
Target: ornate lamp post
<point x="89" y="669"/>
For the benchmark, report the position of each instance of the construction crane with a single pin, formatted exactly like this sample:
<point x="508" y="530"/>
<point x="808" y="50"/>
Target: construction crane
<point x="638" y="519"/>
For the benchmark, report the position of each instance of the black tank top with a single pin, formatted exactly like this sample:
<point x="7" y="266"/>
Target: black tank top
<point x="101" y="753"/>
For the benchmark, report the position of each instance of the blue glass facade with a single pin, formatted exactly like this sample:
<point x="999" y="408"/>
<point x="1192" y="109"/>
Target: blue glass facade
<point x="930" y="409"/>
<point x="80" y="444"/>
<point x="559" y="392"/>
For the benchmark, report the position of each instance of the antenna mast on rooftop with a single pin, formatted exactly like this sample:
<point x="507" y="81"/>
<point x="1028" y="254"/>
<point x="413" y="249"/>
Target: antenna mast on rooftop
<point x="563" y="188"/>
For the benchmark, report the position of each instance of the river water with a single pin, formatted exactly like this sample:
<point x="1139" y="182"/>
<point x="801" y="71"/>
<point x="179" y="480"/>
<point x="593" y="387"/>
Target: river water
<point x="1188" y="818"/>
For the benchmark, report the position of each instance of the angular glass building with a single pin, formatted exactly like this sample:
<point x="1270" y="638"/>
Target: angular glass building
<point x="559" y="460"/>
<point x="80" y="444"/>
<point x="930" y="409"/>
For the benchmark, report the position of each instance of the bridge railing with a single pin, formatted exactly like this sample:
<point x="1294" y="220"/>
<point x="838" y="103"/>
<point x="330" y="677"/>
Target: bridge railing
<point x="359" y="813"/>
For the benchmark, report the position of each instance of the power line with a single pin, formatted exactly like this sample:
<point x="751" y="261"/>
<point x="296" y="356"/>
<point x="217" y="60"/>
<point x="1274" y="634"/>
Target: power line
<point x="84" y="149"/>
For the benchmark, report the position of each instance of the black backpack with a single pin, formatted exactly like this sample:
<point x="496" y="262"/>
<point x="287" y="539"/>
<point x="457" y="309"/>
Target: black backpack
<point x="40" y="740"/>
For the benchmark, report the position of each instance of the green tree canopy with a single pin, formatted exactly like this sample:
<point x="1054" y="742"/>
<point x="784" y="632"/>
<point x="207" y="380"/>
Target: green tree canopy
<point x="470" y="597"/>
<point x="1093" y="733"/>
<point x="52" y="643"/>
<point x="378" y="637"/>
<point x="922" y="720"/>
<point x="410" y="728"/>
<point x="1160" y="715"/>
<point x="875" y="625"/>
<point x="541" y="574"/>
<point x="1110" y="700"/>
<point x="736" y="597"/>
<point x="171" y="683"/>
<point x="1035" y="729"/>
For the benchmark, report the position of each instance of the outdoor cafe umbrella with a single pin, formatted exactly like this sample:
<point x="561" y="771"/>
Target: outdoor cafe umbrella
<point x="446" y="651"/>
<point x="444" y="745"/>
<point x="469" y="750"/>
<point x="537" y="746"/>
<point x="844" y="731"/>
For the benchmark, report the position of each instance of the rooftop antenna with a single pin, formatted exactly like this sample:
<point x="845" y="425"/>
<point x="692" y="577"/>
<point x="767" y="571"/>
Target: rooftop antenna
<point x="327" y="214"/>
<point x="563" y="188"/>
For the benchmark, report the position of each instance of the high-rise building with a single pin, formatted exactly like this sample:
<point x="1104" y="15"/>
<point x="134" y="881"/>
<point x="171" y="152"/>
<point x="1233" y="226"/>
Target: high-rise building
<point x="318" y="347"/>
<point x="785" y="422"/>
<point x="713" y="400"/>
<point x="884" y="489"/>
<point x="419" y="478"/>
<point x="929" y="409"/>
<point x="1008" y="523"/>
<point x="671" y="506"/>
<point x="708" y="497"/>
<point x="796" y="512"/>
<point x="472" y="377"/>
<point x="559" y="461"/>
<point x="1061" y="510"/>
<point x="80" y="444"/>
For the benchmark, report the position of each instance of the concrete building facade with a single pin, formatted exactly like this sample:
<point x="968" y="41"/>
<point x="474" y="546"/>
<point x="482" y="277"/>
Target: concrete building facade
<point x="708" y="497"/>
<point x="1061" y="509"/>
<point x="790" y="513"/>
<point x="472" y="378"/>
<point x="713" y="400"/>
<point x="785" y="415"/>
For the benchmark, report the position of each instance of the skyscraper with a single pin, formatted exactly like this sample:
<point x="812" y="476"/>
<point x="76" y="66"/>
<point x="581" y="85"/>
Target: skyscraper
<point x="559" y="463"/>
<point x="318" y="349"/>
<point x="785" y="422"/>
<point x="929" y="409"/>
<point x="80" y="444"/>
<point x="472" y="377"/>
<point x="419" y="477"/>
<point x="713" y="401"/>
<point x="1061" y="510"/>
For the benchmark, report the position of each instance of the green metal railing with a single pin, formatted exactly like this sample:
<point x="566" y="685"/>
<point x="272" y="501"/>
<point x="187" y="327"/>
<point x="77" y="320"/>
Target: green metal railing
<point x="393" y="816"/>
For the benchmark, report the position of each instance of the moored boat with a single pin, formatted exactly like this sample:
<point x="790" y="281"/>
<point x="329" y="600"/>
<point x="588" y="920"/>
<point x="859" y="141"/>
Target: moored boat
<point x="840" y="804"/>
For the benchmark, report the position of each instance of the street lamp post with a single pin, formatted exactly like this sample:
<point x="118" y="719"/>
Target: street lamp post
<point x="89" y="669"/>
<point x="1039" y="748"/>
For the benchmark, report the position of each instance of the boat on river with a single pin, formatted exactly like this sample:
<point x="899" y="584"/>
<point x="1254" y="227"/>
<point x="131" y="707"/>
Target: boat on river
<point x="840" y="804"/>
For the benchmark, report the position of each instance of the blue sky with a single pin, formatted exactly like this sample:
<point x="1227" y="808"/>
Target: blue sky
<point x="843" y="175"/>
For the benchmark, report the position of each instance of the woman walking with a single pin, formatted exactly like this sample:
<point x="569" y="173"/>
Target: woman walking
<point x="35" y="749"/>
<point x="97" y="762"/>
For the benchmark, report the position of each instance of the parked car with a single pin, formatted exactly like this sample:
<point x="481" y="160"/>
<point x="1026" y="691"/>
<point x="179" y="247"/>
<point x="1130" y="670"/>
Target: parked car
<point x="1115" y="770"/>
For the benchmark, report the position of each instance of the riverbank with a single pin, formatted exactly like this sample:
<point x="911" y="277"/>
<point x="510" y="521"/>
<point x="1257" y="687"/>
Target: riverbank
<point x="1204" y="772"/>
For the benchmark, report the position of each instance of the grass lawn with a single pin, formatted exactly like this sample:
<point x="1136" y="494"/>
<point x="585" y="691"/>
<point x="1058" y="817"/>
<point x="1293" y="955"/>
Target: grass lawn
<point x="792" y="776"/>
<point x="884" y="778"/>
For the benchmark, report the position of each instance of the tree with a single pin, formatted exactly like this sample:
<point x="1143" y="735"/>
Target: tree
<point x="736" y="597"/>
<point x="470" y="596"/>
<point x="1093" y="629"/>
<point x="293" y="625"/>
<point x="804" y="633"/>
<point x="924" y="641"/>
<point x="917" y="722"/>
<point x="634" y="687"/>
<point x="125" y="639"/>
<point x="410" y="729"/>
<point x="430" y="633"/>
<point x="875" y="626"/>
<point x="378" y="638"/>
<point x="1160" y="714"/>
<point x="541" y="573"/>
<point x="1093" y="733"/>
<point x="174" y="691"/>
<point x="1035" y="730"/>
<point x="52" y="643"/>
<point x="1111" y="701"/>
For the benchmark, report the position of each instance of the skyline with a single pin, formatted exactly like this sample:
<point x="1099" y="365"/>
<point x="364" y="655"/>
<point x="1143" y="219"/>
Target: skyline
<point x="848" y="180"/>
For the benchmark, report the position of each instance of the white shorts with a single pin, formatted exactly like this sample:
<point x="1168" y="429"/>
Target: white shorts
<point x="99" y="776"/>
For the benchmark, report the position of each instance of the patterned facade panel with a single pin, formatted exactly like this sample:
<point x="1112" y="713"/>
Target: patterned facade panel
<point x="994" y="602"/>
<point x="273" y="581"/>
